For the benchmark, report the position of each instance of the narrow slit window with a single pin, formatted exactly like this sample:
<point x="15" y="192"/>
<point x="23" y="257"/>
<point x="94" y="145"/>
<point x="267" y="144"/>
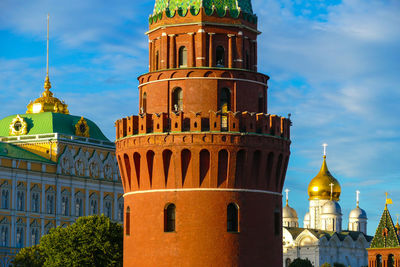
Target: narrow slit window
<point x="169" y="218"/>
<point x="182" y="57"/>
<point x="232" y="218"/>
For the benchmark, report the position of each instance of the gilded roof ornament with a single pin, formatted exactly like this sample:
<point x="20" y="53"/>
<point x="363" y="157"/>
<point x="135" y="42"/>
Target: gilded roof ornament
<point x="18" y="126"/>
<point x="324" y="185"/>
<point x="47" y="102"/>
<point x="82" y="128"/>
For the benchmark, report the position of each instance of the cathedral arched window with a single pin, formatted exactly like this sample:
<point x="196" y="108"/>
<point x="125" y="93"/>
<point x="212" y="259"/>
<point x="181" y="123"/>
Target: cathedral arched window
<point x="232" y="218"/>
<point x="169" y="218"/>
<point x="177" y="99"/>
<point x="220" y="56"/>
<point x="182" y="57"/>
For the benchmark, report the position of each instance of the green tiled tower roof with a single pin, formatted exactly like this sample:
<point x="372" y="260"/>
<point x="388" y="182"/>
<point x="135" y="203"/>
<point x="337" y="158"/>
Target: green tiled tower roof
<point x="386" y="234"/>
<point x="220" y="5"/>
<point x="50" y="122"/>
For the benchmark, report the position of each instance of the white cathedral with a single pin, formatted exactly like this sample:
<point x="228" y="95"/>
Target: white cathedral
<point x="322" y="239"/>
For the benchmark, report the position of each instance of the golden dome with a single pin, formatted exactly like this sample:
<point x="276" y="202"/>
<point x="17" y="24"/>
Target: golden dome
<point x="47" y="102"/>
<point x="320" y="185"/>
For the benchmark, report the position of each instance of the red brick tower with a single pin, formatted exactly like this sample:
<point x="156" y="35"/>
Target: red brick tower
<point x="203" y="164"/>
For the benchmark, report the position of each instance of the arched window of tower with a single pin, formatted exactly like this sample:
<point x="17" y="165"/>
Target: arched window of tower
<point x="128" y="170"/>
<point x="247" y="60"/>
<point x="222" y="167"/>
<point x="277" y="222"/>
<point x="269" y="165"/>
<point x="144" y="103"/>
<point x="182" y="57"/>
<point x="167" y="155"/>
<point x="204" y="165"/>
<point x="177" y="99"/>
<point x="186" y="157"/>
<point x="278" y="171"/>
<point x="240" y="163"/>
<point x="136" y="161"/>
<point x="261" y="103"/>
<point x="256" y="167"/>
<point x="378" y="260"/>
<point x="220" y="57"/>
<point x="150" y="160"/>
<point x="233" y="218"/>
<point x="169" y="218"/>
<point x="390" y="261"/>
<point x="128" y="221"/>
<point x="157" y="60"/>
<point x="225" y="106"/>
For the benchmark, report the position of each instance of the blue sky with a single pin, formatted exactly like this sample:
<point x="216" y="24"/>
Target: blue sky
<point x="334" y="65"/>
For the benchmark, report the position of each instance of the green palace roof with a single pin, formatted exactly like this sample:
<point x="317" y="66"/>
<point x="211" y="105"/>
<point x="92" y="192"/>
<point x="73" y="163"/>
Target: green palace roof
<point x="15" y="152"/>
<point x="220" y="5"/>
<point x="49" y="122"/>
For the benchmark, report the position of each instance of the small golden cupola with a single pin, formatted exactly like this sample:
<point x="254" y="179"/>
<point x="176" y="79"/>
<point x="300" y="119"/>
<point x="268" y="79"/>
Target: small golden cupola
<point x="47" y="102"/>
<point x="324" y="186"/>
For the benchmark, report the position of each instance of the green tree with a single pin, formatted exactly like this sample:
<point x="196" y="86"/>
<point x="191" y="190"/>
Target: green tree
<point x="326" y="265"/>
<point x="336" y="264"/>
<point x="29" y="257"/>
<point x="90" y="241"/>
<point x="301" y="263"/>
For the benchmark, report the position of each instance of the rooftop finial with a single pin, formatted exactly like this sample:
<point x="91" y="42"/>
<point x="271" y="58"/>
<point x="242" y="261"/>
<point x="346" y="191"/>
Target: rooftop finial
<point x="358" y="197"/>
<point x="388" y="200"/>
<point x="47" y="84"/>
<point x="325" y="146"/>
<point x="331" y="185"/>
<point x="287" y="196"/>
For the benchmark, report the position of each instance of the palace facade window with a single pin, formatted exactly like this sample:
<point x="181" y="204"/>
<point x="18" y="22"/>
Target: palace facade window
<point x="19" y="238"/>
<point x="5" y="196"/>
<point x="65" y="203"/>
<point x="50" y="196"/>
<point x="107" y="206"/>
<point x="20" y="197"/>
<point x="120" y="209"/>
<point x="93" y="199"/>
<point x="35" y="199"/>
<point x="78" y="204"/>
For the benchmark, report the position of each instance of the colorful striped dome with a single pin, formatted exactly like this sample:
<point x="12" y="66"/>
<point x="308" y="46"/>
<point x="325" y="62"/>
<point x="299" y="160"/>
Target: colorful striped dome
<point x="220" y="5"/>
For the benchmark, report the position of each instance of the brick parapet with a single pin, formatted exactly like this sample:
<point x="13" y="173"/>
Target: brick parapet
<point x="238" y="122"/>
